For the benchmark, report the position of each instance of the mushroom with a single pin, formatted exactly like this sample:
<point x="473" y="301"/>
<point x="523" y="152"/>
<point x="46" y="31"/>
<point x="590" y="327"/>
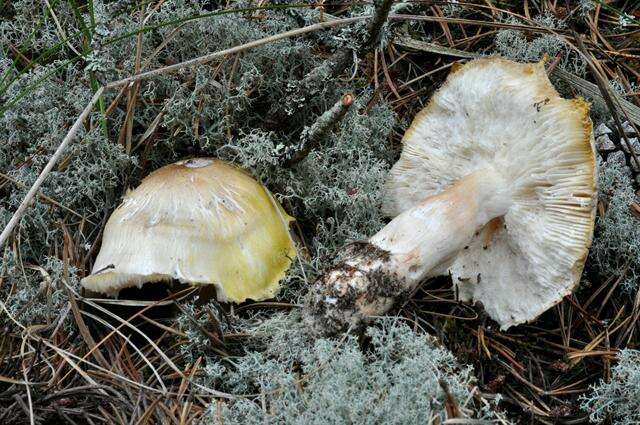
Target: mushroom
<point x="200" y="221"/>
<point x="496" y="186"/>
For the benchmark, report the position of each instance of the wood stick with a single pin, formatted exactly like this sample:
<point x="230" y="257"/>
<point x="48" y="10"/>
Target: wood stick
<point x="317" y="132"/>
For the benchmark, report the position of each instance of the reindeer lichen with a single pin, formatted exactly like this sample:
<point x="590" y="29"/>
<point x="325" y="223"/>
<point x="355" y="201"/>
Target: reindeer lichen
<point x="616" y="245"/>
<point x="618" y="399"/>
<point x="517" y="45"/>
<point x="37" y="294"/>
<point x="394" y="378"/>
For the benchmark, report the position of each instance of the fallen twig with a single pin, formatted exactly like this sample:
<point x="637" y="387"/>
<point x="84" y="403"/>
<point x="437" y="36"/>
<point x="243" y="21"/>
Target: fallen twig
<point x="342" y="59"/>
<point x="312" y="137"/>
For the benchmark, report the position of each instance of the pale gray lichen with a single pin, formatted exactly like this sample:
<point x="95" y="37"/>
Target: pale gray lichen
<point x="587" y="6"/>
<point x="523" y="47"/>
<point x="620" y="89"/>
<point x="340" y="185"/>
<point x="619" y="399"/>
<point x="452" y="8"/>
<point x="199" y="321"/>
<point x="625" y="20"/>
<point x="616" y="245"/>
<point x="295" y="379"/>
<point x="37" y="294"/>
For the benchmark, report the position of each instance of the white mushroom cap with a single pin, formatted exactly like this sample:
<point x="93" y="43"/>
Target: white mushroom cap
<point x="504" y="116"/>
<point x="200" y="221"/>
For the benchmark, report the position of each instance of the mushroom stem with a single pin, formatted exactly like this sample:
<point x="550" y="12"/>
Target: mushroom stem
<point x="417" y="244"/>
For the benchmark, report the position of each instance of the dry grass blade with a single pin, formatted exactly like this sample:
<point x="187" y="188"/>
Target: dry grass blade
<point x="134" y="346"/>
<point x="158" y="350"/>
<point x="434" y="48"/>
<point x="84" y="331"/>
<point x="622" y="106"/>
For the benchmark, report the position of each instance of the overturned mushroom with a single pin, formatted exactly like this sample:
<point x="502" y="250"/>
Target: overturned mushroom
<point x="496" y="185"/>
<point x="200" y="221"/>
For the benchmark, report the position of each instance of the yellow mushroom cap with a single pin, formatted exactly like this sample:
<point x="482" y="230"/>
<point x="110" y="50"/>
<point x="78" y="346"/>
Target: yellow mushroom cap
<point x="200" y="221"/>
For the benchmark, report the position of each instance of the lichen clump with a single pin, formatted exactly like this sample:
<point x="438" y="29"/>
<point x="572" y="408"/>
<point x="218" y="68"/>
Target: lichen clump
<point x="616" y="246"/>
<point x="290" y="377"/>
<point x="517" y="45"/>
<point x="618" y="399"/>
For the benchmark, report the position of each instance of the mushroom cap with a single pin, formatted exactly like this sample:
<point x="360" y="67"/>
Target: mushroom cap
<point x="496" y="113"/>
<point x="201" y="221"/>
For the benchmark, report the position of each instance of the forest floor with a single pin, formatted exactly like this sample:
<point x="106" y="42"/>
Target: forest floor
<point x="160" y="354"/>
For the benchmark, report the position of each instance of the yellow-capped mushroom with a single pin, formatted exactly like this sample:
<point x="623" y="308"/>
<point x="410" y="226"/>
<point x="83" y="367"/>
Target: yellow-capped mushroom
<point x="199" y="221"/>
